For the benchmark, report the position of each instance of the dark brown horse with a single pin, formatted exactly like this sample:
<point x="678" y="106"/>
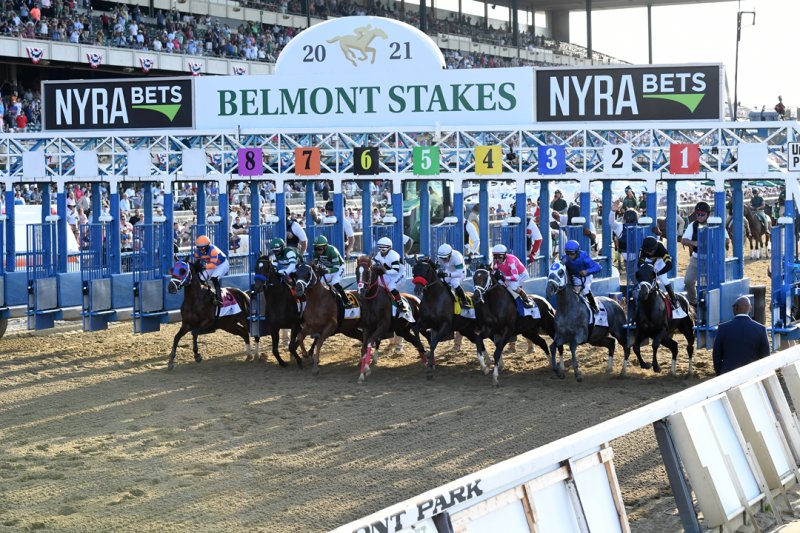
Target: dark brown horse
<point x="199" y="311"/>
<point x="377" y="322"/>
<point x="759" y="232"/>
<point x="323" y="316"/>
<point x="281" y="308"/>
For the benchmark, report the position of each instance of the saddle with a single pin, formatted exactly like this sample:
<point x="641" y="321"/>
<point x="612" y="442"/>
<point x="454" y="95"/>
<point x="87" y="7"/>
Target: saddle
<point x="458" y="308"/>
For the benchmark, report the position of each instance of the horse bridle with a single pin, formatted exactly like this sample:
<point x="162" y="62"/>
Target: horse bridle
<point x="306" y="284"/>
<point x="180" y="282"/>
<point x="486" y="286"/>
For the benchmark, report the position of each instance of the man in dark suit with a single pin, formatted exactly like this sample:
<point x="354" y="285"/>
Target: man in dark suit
<point x="739" y="341"/>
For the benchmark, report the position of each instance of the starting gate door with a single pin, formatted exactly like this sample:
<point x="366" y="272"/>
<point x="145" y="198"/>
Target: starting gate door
<point x="444" y="233"/>
<point x="505" y="233"/>
<point x="634" y="235"/>
<point x="95" y="256"/>
<point x="380" y="230"/>
<point x="40" y="264"/>
<point x="260" y="237"/>
<point x="785" y="311"/>
<point x="150" y="241"/>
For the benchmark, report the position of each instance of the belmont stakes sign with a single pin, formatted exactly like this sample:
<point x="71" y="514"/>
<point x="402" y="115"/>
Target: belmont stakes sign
<point x="598" y="94"/>
<point x="365" y="72"/>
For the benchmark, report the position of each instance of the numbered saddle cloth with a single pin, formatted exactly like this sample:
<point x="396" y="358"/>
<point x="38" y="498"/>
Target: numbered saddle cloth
<point x="675" y="312"/>
<point x="467" y="311"/>
<point x="408" y="317"/>
<point x="229" y="304"/>
<point x="597" y="319"/>
<point x="532" y="312"/>
<point x="354" y="310"/>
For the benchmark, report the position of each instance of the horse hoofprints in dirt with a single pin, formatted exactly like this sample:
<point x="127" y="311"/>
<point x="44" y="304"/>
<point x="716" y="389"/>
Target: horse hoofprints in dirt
<point x="199" y="310"/>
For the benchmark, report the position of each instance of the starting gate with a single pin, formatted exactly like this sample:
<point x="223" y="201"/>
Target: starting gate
<point x="505" y="233"/>
<point x="95" y="256"/>
<point x="380" y="230"/>
<point x="785" y="284"/>
<point x="634" y="235"/>
<point x="443" y="233"/>
<point x="40" y="264"/>
<point x="150" y="242"/>
<point x="260" y="237"/>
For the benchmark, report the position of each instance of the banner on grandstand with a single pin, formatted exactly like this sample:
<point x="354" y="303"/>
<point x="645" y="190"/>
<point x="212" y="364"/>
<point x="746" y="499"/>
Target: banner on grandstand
<point x="36" y="54"/>
<point x="94" y="59"/>
<point x="147" y="63"/>
<point x="195" y="68"/>
<point x="239" y="70"/>
<point x="622" y="93"/>
<point x="141" y="103"/>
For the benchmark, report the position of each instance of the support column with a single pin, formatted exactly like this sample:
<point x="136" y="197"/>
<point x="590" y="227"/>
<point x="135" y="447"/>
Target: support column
<point x="397" y="211"/>
<point x="255" y="219"/>
<point x="424" y="218"/>
<point x="515" y="27"/>
<point x="672" y="225"/>
<point x="366" y="217"/>
<point x="650" y="33"/>
<point x="222" y="237"/>
<point x="588" y="30"/>
<point x="97" y="202"/>
<point x="483" y="221"/>
<point x="114" y="226"/>
<point x="338" y="212"/>
<point x="11" y="242"/>
<point x="61" y="227"/>
<point x="423" y="16"/>
<point x="280" y="208"/>
<point x="738" y="233"/>
<point x="719" y="211"/>
<point x="148" y="202"/>
<point x="169" y="220"/>
<point x="544" y="221"/>
<point x="458" y="212"/>
<point x="605" y="249"/>
<point x="652" y="198"/>
<point x="46" y="242"/>
<point x="201" y="207"/>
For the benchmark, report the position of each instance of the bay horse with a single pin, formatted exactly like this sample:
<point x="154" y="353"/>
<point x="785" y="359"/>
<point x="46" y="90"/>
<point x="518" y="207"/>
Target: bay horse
<point x="377" y="322"/>
<point x="437" y="319"/>
<point x="759" y="233"/>
<point x="654" y="321"/>
<point x="281" y="307"/>
<point x="199" y="310"/>
<point x="496" y="311"/>
<point x="323" y="317"/>
<point x="572" y="323"/>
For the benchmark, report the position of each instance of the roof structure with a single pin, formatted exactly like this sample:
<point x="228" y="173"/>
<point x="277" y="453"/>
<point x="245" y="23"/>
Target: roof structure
<point x="596" y="5"/>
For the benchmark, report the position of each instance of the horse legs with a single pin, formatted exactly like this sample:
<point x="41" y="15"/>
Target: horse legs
<point x="557" y="368"/>
<point x="477" y="340"/>
<point x="500" y="342"/>
<point x="536" y="339"/>
<point x="687" y="329"/>
<point x="197" y="357"/>
<point x="637" y="349"/>
<point x="658" y="339"/>
<point x="275" y="336"/>
<point x="178" y="336"/>
<point x="573" y="347"/>
<point x="436" y="336"/>
<point x="407" y="334"/>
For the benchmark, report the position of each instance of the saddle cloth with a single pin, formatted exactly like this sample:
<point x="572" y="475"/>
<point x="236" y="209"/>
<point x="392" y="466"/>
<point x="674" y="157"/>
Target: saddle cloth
<point x="229" y="304"/>
<point x="532" y="312"/>
<point x="468" y="310"/>
<point x="675" y="312"/>
<point x="354" y="311"/>
<point x="597" y="319"/>
<point x="408" y="317"/>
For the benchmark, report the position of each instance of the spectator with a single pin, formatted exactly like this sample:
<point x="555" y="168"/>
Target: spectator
<point x="559" y="203"/>
<point x="124" y="204"/>
<point x="629" y="202"/>
<point x="347" y="227"/>
<point x="701" y="212"/>
<point x="739" y="341"/>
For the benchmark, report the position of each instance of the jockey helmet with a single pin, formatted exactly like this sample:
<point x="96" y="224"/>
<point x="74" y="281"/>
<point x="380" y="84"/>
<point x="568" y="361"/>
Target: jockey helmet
<point x="321" y="243"/>
<point x="499" y="252"/>
<point x="702" y="207"/>
<point x="203" y="243"/>
<point x="572" y="246"/>
<point x="277" y="245"/>
<point x="445" y="251"/>
<point x="384" y="245"/>
<point x="649" y="244"/>
<point x="630" y="217"/>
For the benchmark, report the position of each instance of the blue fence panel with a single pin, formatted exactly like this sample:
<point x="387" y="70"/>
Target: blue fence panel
<point x="380" y="231"/>
<point x="40" y="265"/>
<point x="441" y="234"/>
<point x="504" y="233"/>
<point x="150" y="244"/>
<point x="260" y="237"/>
<point x="95" y="268"/>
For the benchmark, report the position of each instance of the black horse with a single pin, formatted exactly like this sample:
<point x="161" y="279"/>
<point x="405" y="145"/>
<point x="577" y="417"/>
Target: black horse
<point x="653" y="322"/>
<point x="281" y="307"/>
<point x="199" y="310"/>
<point x="437" y="320"/>
<point x="496" y="311"/>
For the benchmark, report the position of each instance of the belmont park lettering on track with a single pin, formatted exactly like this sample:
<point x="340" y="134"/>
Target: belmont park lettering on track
<point x="365" y="99"/>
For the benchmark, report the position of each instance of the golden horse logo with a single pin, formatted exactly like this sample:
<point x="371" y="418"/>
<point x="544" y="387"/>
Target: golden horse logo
<point x="360" y="40"/>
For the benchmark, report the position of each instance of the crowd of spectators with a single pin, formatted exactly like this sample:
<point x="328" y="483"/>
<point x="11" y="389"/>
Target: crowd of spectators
<point x="20" y="109"/>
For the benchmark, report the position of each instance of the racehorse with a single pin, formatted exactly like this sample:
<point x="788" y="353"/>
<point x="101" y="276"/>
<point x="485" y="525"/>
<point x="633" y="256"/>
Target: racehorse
<point x="654" y="322"/>
<point x="729" y="227"/>
<point x="199" y="310"/>
<point x="759" y="233"/>
<point x="437" y="319"/>
<point x="572" y="323"/>
<point x="323" y="316"/>
<point x="360" y="40"/>
<point x="281" y="306"/>
<point x="377" y="322"/>
<point x="496" y="311"/>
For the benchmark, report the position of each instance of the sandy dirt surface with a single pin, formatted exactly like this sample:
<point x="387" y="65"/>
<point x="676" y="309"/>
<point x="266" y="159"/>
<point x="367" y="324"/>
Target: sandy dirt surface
<point x="97" y="435"/>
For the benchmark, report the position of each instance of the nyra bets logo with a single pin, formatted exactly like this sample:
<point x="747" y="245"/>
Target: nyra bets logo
<point x="356" y="47"/>
<point x="629" y="93"/>
<point x="149" y="103"/>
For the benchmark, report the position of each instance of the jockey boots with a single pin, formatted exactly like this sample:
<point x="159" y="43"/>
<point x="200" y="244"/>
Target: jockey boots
<point x="217" y="291"/>
<point x="526" y="301"/>
<point x="671" y="295"/>
<point x="401" y="304"/>
<point x="342" y="295"/>
<point x="592" y="302"/>
<point x="462" y="298"/>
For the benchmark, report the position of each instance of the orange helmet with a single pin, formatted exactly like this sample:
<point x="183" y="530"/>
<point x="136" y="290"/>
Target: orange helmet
<point x="203" y="241"/>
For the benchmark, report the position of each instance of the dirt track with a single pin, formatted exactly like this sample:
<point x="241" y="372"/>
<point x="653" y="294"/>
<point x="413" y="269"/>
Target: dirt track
<point x="97" y="435"/>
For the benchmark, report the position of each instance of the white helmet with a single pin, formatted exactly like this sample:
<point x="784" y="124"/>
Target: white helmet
<point x="384" y="242"/>
<point x="445" y="251"/>
<point x="499" y="249"/>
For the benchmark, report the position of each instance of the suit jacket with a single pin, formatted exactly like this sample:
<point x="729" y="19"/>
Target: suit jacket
<point x="739" y="341"/>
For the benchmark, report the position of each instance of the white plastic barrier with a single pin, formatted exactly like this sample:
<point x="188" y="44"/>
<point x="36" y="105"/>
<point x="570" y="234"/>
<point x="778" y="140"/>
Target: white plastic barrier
<point x="542" y="490"/>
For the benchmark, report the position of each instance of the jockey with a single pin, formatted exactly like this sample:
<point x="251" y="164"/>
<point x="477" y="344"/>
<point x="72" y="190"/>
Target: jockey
<point x="391" y="262"/>
<point x="215" y="263"/>
<point x="580" y="267"/>
<point x="284" y="257"/>
<point x="655" y="253"/>
<point x="328" y="257"/>
<point x="512" y="271"/>
<point x="452" y="271"/>
<point x="757" y="203"/>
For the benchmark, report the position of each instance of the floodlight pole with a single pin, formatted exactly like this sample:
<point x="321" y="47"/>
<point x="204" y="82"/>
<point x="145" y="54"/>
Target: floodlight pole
<point x="736" y="68"/>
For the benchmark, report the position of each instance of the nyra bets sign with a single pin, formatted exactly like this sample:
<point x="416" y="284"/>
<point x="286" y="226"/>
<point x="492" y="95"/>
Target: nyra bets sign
<point x="365" y="72"/>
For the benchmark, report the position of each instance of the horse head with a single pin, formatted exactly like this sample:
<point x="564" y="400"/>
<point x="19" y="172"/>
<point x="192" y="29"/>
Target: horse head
<point x="646" y="279"/>
<point x="306" y="277"/>
<point x="423" y="274"/>
<point x="265" y="273"/>
<point x="482" y="281"/>
<point x="556" y="279"/>
<point x="181" y="275"/>
<point x="363" y="272"/>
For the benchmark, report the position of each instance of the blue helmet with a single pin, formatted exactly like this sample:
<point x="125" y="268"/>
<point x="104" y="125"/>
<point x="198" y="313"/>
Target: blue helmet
<point x="572" y="246"/>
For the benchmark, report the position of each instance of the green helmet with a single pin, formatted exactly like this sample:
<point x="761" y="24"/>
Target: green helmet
<point x="320" y="241"/>
<point x="277" y="245"/>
